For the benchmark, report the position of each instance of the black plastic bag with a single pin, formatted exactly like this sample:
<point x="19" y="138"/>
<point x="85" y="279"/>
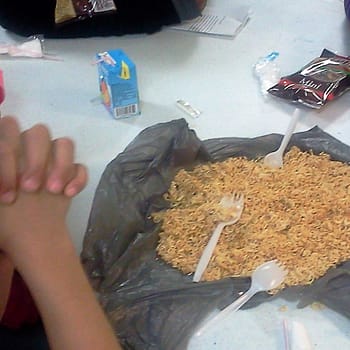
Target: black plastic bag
<point x="152" y="305"/>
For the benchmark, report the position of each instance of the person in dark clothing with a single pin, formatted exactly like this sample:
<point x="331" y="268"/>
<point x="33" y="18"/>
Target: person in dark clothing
<point x="347" y="8"/>
<point x="36" y="17"/>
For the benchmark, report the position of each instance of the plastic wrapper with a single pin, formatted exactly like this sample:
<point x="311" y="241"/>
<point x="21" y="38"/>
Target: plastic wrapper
<point x="317" y="83"/>
<point x="267" y="71"/>
<point x="152" y="305"/>
<point x="2" y="87"/>
<point x="32" y="47"/>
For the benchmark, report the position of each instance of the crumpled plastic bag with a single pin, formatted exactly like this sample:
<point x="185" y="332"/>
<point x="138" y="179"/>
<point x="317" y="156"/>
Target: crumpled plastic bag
<point x="152" y="305"/>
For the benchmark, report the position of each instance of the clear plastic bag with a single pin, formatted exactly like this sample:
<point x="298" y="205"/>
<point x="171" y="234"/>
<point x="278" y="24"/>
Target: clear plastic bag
<point x="267" y="71"/>
<point x="32" y="47"/>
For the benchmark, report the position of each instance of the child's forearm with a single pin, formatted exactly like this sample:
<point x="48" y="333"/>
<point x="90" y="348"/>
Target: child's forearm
<point x="72" y="317"/>
<point x="6" y="273"/>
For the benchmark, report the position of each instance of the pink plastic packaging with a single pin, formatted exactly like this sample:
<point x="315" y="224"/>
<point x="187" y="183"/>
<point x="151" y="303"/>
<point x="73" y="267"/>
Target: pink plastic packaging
<point x="2" y="88"/>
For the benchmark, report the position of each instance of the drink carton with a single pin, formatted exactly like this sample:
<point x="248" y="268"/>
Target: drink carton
<point x="118" y="83"/>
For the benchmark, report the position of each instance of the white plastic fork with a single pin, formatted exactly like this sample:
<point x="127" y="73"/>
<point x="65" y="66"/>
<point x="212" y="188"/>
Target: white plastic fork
<point x="234" y="201"/>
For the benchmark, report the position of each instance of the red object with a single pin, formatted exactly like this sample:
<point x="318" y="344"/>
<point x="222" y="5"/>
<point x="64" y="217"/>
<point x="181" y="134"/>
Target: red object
<point x="20" y="308"/>
<point x="2" y="88"/>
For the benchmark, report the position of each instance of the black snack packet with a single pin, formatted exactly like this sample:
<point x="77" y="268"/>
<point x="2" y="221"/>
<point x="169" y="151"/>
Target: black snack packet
<point x="68" y="10"/>
<point x="320" y="81"/>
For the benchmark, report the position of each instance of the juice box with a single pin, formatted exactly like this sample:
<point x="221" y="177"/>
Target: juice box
<point x="118" y="83"/>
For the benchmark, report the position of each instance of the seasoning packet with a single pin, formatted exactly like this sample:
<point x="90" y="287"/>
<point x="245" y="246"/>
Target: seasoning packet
<point x="317" y="83"/>
<point x="72" y="10"/>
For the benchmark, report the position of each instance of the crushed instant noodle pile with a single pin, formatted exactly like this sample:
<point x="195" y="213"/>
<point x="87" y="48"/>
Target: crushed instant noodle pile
<point x="299" y="214"/>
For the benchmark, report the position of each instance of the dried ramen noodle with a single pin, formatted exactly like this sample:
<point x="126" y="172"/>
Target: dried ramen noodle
<point x="299" y="214"/>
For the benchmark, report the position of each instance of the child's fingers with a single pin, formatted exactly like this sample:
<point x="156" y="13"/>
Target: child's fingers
<point x="79" y="181"/>
<point x="36" y="148"/>
<point x="39" y="161"/>
<point x="62" y="168"/>
<point x="8" y="173"/>
<point x="9" y="151"/>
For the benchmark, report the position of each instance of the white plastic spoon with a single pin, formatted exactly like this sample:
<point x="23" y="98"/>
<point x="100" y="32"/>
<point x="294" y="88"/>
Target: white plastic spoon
<point x="267" y="276"/>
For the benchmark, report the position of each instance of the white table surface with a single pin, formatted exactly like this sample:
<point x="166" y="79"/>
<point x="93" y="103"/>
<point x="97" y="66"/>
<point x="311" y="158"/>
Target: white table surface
<point x="215" y="76"/>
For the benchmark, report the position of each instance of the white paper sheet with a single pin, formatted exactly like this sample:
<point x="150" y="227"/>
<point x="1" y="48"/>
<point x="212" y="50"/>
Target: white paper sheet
<point x="214" y="22"/>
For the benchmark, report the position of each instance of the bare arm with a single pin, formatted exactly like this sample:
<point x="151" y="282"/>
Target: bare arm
<point x="34" y="237"/>
<point x="32" y="171"/>
<point x="72" y="317"/>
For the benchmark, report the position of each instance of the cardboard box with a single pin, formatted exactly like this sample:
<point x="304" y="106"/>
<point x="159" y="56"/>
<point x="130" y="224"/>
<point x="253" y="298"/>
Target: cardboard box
<point x="118" y="83"/>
